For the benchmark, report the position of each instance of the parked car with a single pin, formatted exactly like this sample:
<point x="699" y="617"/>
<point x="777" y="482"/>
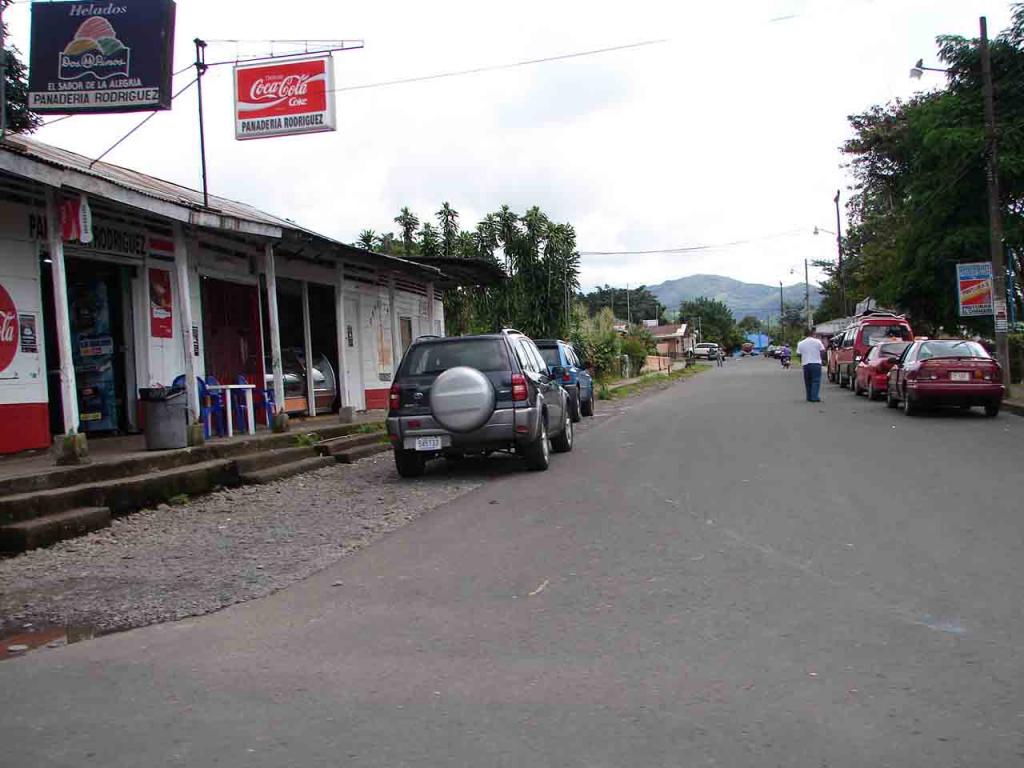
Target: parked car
<point x="872" y="375"/>
<point x="707" y="350"/>
<point x="771" y="351"/>
<point x="865" y="332"/>
<point x="832" y="357"/>
<point x="945" y="372"/>
<point x="477" y="394"/>
<point x="576" y="379"/>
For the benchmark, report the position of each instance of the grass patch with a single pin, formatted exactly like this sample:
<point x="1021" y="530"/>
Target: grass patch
<point x="365" y="429"/>
<point x="307" y="439"/>
<point x="178" y="499"/>
<point x="605" y="392"/>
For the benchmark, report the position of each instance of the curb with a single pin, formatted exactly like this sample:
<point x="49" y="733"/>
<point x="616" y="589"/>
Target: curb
<point x="1013" y="407"/>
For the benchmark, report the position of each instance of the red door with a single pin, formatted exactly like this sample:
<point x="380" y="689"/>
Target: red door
<point x="231" y="332"/>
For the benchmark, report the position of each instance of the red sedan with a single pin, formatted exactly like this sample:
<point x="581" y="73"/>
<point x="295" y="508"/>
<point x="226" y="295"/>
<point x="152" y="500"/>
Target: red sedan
<point x="872" y="373"/>
<point x="946" y="372"/>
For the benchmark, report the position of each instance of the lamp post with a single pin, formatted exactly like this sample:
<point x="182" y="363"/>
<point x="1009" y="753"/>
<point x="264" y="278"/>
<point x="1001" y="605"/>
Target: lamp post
<point x="995" y="213"/>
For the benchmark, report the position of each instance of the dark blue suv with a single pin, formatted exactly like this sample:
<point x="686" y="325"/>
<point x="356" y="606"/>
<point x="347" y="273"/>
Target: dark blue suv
<point x="576" y="380"/>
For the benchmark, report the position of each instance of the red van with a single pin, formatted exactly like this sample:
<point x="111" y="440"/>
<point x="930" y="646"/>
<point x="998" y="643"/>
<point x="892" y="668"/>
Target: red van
<point x="862" y="334"/>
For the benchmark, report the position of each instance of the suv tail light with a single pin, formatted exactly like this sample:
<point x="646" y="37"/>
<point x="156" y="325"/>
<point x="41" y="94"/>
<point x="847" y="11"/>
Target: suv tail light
<point x="566" y="377"/>
<point x="519" y="391"/>
<point x="395" y="396"/>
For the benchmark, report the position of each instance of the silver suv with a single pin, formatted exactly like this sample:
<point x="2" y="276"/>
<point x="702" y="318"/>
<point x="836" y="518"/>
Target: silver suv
<point x="477" y="394"/>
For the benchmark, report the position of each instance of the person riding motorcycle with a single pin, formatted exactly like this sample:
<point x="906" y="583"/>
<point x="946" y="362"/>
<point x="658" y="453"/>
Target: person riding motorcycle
<point x="786" y="355"/>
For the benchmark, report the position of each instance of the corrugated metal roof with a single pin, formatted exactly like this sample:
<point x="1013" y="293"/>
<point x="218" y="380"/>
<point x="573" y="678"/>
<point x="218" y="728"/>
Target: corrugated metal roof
<point x="143" y="184"/>
<point x="191" y="199"/>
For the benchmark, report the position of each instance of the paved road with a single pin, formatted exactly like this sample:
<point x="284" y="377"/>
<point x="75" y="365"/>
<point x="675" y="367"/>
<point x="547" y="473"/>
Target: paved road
<point x="720" y="574"/>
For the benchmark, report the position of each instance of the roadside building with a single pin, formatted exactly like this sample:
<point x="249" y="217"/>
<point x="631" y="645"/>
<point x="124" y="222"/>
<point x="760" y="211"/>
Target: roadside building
<point x="673" y="341"/>
<point x="95" y="260"/>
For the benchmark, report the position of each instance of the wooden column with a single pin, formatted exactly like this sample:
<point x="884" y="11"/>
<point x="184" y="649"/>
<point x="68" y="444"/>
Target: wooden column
<point x="275" y="326"/>
<point x="430" y="307"/>
<point x="307" y="340"/>
<point x="68" y="385"/>
<point x="339" y="317"/>
<point x="181" y="271"/>
<point x="396" y="334"/>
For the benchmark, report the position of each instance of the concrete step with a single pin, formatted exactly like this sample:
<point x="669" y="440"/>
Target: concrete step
<point x="264" y="459"/>
<point x="121" y="495"/>
<point x="352" y="455"/>
<point x="43" y="531"/>
<point x="336" y="445"/>
<point x="124" y="467"/>
<point x="282" y="471"/>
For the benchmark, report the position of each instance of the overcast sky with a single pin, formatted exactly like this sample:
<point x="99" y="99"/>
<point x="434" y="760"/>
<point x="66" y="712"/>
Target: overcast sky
<point x="728" y="131"/>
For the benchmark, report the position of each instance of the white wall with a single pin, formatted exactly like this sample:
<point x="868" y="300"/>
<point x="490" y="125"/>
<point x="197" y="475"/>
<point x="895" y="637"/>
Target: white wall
<point x="24" y="380"/>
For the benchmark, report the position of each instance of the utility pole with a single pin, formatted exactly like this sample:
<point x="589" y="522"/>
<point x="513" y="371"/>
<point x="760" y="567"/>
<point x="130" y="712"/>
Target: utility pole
<point x="3" y="77"/>
<point x="995" y="214"/>
<point x="782" y="306"/>
<point x="807" y="297"/>
<point x="629" y="317"/>
<point x="839" y="251"/>
<point x="200" y="71"/>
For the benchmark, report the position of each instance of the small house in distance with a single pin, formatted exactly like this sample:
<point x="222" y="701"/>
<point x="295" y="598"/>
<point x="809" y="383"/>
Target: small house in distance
<point x="673" y="341"/>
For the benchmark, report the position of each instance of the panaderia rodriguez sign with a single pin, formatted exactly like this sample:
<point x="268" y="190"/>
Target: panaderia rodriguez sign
<point x="282" y="98"/>
<point x="101" y="56"/>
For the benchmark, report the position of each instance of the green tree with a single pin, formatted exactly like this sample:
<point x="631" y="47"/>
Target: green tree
<point x="448" y="220"/>
<point x="642" y="304"/>
<point x="919" y="202"/>
<point x="367" y="239"/>
<point x="430" y="246"/>
<point x="749" y="324"/>
<point x="19" y="118"/>
<point x="714" y="319"/>
<point x="408" y="223"/>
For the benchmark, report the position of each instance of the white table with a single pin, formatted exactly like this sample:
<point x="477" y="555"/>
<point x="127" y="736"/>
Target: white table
<point x="227" y="389"/>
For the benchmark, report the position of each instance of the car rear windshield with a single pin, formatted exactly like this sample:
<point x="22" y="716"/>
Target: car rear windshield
<point x="550" y="355"/>
<point x="932" y="349"/>
<point x="895" y="349"/>
<point x="437" y="357"/>
<point x="875" y="333"/>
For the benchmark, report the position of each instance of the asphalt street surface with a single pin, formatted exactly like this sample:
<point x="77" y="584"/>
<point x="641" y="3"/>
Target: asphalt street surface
<point x="719" y="574"/>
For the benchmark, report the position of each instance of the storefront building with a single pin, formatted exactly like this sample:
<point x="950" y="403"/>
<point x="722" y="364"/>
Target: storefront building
<point x="95" y="262"/>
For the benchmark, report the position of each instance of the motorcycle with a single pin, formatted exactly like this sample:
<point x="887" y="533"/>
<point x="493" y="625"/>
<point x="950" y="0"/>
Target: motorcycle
<point x="785" y="358"/>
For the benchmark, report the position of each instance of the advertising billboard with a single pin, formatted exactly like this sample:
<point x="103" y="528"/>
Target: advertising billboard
<point x="974" y="286"/>
<point x="284" y="98"/>
<point x="101" y="56"/>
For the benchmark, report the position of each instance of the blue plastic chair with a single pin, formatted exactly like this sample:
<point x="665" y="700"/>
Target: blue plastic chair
<point x="269" y="405"/>
<point x="218" y="405"/>
<point x="204" y="398"/>
<point x="238" y="402"/>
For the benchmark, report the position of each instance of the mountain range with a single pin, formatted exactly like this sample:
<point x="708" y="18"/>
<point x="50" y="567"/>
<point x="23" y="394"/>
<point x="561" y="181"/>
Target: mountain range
<point x="741" y="298"/>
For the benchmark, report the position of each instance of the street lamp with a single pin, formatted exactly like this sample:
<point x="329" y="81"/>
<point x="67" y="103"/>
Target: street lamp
<point x="919" y="69"/>
<point x="995" y="213"/>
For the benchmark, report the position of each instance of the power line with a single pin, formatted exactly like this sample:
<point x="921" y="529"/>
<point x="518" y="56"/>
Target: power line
<point x="145" y="120"/>
<point x="496" y="67"/>
<point x="692" y="248"/>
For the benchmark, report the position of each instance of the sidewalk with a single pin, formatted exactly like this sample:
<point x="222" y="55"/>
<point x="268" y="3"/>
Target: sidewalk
<point x="132" y="448"/>
<point x="1014" y="402"/>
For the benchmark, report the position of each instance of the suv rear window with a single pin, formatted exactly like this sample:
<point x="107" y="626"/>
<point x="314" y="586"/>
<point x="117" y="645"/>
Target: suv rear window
<point x="875" y="333"/>
<point x="435" y="358"/>
<point x="894" y="349"/>
<point x="550" y="355"/>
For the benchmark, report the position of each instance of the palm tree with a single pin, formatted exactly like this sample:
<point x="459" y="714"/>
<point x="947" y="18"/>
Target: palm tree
<point x="407" y="220"/>
<point x="448" y="218"/>
<point x="385" y="243"/>
<point x="430" y="246"/>
<point x="367" y="238"/>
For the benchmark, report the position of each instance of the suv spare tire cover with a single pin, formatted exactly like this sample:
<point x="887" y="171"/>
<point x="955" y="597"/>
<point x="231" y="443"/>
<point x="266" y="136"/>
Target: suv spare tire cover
<point x="462" y="399"/>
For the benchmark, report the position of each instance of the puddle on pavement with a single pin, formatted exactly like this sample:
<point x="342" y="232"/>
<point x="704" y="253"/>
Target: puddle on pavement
<point x="20" y="641"/>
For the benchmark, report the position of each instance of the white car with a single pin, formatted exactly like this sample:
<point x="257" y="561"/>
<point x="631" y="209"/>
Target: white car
<point x="706" y="350"/>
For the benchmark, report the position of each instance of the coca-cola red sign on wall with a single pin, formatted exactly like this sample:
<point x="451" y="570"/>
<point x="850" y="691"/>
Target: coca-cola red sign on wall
<point x="8" y="329"/>
<point x="284" y="98"/>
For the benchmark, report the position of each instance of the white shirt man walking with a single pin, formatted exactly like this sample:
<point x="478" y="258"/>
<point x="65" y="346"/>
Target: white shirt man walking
<point x="810" y="350"/>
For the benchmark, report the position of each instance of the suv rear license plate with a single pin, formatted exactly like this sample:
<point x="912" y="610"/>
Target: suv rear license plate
<point x="960" y="375"/>
<point x="428" y="443"/>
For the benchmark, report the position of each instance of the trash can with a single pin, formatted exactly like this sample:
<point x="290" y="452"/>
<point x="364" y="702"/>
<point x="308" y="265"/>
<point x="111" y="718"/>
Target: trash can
<point x="165" y="411"/>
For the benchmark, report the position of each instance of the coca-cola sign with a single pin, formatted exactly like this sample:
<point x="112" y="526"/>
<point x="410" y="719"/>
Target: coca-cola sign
<point x="8" y="329"/>
<point x="283" y="98"/>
